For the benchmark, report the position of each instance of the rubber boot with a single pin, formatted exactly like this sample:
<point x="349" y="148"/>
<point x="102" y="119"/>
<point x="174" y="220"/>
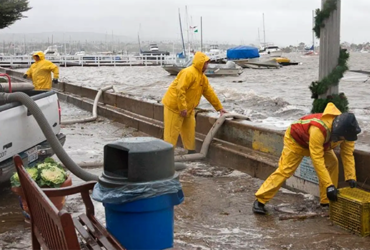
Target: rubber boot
<point x="191" y="152"/>
<point x="259" y="208"/>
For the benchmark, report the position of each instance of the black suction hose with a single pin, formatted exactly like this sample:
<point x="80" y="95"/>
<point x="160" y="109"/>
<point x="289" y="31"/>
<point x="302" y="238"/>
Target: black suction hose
<point x="49" y="134"/>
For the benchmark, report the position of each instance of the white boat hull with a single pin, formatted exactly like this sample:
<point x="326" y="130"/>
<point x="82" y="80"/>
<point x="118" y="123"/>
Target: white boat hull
<point x="212" y="70"/>
<point x="257" y="63"/>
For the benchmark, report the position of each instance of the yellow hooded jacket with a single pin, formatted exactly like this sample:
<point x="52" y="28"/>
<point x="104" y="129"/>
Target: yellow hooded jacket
<point x="40" y="72"/>
<point x="316" y="148"/>
<point x="187" y="89"/>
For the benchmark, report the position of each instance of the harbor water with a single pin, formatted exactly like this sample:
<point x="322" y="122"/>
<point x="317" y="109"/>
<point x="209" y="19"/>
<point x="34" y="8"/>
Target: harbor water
<point x="270" y="97"/>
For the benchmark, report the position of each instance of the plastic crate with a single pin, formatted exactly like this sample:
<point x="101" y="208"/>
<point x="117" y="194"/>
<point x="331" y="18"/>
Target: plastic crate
<point x="352" y="210"/>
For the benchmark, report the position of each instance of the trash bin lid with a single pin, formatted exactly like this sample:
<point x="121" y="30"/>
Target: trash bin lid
<point x="138" y="159"/>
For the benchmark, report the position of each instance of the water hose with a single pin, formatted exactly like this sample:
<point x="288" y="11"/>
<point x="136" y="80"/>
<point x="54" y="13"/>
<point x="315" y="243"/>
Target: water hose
<point x="178" y="165"/>
<point x="207" y="141"/>
<point x="16" y="86"/>
<point x="95" y="108"/>
<point x="49" y="134"/>
<point x="9" y="82"/>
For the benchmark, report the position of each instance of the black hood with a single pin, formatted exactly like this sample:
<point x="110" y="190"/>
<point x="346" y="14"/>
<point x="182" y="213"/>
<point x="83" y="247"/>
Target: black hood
<point x="345" y="125"/>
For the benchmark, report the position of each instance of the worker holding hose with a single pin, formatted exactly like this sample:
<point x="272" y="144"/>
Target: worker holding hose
<point x="316" y="136"/>
<point x="40" y="72"/>
<point x="182" y="97"/>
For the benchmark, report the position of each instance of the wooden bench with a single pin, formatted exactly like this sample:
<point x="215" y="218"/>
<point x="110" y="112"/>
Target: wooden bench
<point x="53" y="229"/>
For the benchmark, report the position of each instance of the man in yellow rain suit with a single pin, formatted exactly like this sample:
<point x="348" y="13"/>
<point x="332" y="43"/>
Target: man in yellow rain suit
<point x="182" y="97"/>
<point x="315" y="136"/>
<point x="40" y="72"/>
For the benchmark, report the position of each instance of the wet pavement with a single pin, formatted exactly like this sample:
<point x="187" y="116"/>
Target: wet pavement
<point x="216" y="213"/>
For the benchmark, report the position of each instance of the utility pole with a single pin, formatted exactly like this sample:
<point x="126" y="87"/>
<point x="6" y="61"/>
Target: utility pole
<point x="330" y="46"/>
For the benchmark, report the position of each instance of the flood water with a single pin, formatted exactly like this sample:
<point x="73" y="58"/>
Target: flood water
<point x="216" y="213"/>
<point x="270" y="97"/>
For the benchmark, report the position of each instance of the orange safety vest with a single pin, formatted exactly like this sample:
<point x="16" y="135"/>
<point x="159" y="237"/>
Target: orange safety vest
<point x="299" y="130"/>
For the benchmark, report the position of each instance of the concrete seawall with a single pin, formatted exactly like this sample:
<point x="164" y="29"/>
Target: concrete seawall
<point x="241" y="145"/>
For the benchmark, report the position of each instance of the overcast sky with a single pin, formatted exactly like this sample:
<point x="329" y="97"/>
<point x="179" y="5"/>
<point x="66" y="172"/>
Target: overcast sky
<point x="233" y="21"/>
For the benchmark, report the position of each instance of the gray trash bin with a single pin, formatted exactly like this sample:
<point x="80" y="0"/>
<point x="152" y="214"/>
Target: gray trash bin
<point x="139" y="189"/>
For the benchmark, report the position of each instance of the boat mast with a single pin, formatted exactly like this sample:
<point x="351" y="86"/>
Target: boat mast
<point x="138" y="38"/>
<point x="187" y="25"/>
<point x="25" y="44"/>
<point x="191" y="45"/>
<point x="201" y="35"/>
<point x="313" y="32"/>
<point x="264" y="31"/>
<point x="182" y="36"/>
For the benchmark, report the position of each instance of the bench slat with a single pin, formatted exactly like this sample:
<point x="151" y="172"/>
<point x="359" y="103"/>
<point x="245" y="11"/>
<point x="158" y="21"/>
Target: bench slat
<point x="95" y="231"/>
<point x="85" y="234"/>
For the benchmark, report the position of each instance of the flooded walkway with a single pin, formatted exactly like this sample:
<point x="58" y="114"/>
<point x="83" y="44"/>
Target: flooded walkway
<point x="216" y="213"/>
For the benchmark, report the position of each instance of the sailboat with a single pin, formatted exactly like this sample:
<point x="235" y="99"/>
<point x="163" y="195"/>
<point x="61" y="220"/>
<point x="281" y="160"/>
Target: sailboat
<point x="228" y="69"/>
<point x="268" y="50"/>
<point x="311" y="51"/>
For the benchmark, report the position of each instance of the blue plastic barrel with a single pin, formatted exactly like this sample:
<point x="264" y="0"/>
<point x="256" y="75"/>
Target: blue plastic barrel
<point x="144" y="224"/>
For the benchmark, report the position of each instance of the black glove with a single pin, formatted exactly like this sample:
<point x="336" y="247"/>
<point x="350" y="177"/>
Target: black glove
<point x="352" y="183"/>
<point x="331" y="193"/>
<point x="25" y="76"/>
<point x="55" y="81"/>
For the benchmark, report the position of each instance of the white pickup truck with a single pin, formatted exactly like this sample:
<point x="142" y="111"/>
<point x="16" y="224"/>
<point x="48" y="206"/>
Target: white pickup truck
<point x="21" y="134"/>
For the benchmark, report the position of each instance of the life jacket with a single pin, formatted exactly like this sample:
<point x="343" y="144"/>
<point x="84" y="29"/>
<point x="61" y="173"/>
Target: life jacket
<point x="299" y="130"/>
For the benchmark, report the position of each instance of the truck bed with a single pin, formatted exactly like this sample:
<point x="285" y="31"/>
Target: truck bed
<point x="21" y="134"/>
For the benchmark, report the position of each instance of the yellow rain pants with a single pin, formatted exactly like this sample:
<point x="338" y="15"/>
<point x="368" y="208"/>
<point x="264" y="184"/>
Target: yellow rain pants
<point x="175" y="125"/>
<point x="324" y="162"/>
<point x="288" y="164"/>
<point x="40" y="72"/>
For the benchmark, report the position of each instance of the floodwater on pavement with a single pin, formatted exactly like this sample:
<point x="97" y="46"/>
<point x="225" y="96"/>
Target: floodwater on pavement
<point x="216" y="212"/>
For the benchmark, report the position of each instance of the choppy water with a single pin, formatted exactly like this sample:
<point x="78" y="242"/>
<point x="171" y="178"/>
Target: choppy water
<point x="273" y="97"/>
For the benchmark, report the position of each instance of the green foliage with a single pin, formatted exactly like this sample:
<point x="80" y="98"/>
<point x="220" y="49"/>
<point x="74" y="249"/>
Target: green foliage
<point x="340" y="101"/>
<point x="14" y="180"/>
<point x="33" y="172"/>
<point x="3" y="79"/>
<point x="46" y="174"/>
<point x="11" y="11"/>
<point x="322" y="15"/>
<point x="321" y="87"/>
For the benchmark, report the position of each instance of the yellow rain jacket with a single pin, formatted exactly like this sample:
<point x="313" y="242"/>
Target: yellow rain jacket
<point x="187" y="89"/>
<point x="324" y="161"/>
<point x="40" y="72"/>
<point x="316" y="148"/>
<point x="184" y="93"/>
